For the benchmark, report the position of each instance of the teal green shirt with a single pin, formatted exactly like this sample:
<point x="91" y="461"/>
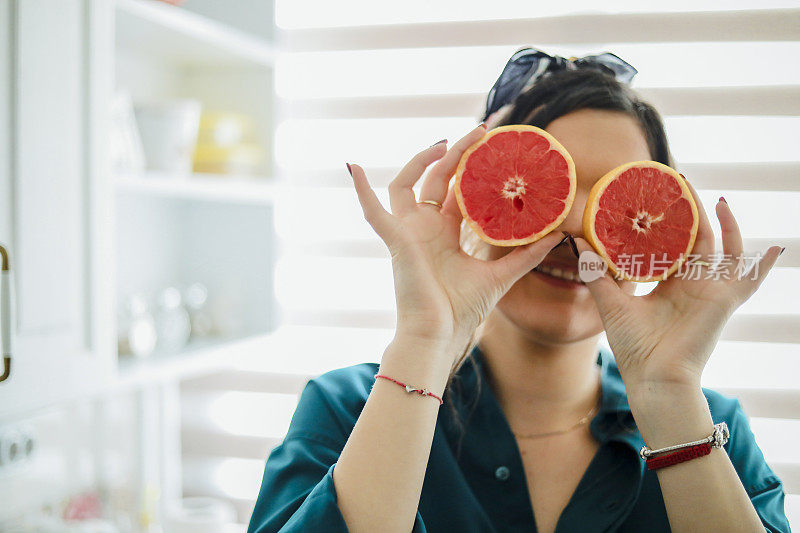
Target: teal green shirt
<point x="475" y="480"/>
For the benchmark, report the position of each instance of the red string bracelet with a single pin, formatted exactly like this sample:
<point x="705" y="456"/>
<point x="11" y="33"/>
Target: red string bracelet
<point x="409" y="388"/>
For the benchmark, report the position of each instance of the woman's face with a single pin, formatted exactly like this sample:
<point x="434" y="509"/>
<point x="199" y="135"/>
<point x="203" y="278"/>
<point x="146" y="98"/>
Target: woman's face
<point x="550" y="312"/>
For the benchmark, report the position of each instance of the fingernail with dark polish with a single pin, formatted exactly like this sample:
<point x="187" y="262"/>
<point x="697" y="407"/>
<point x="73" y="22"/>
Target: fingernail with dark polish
<point x="484" y="126"/>
<point x="684" y="177"/>
<point x="573" y="246"/>
<point x="782" y="249"/>
<point x="722" y="199"/>
<point x="566" y="236"/>
<point x="438" y="142"/>
<point x="349" y="169"/>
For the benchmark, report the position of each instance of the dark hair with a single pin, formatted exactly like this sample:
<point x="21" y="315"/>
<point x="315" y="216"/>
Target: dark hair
<point x="557" y="93"/>
<point x="554" y="95"/>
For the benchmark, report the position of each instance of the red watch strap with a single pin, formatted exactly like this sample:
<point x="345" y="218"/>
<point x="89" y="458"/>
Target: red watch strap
<point x="678" y="456"/>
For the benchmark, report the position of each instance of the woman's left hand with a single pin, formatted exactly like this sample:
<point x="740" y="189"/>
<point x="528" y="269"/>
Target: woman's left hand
<point x="663" y="340"/>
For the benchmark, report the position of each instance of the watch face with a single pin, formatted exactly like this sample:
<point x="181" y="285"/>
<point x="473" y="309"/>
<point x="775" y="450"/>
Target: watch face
<point x="721" y="434"/>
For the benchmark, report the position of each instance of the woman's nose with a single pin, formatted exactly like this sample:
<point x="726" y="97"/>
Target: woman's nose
<point x="573" y="223"/>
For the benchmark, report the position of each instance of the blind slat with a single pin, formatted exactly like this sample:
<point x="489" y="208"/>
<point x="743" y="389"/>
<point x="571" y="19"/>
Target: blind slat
<point x="236" y="480"/>
<point x="744" y="25"/>
<point x="201" y="470"/>
<point x="756" y="176"/>
<point x="201" y="442"/>
<point x="773" y="403"/>
<point x="763" y="328"/>
<point x="748" y="328"/>
<point x="366" y="318"/>
<point x="374" y="248"/>
<point x="789" y="473"/>
<point x="249" y="381"/>
<point x="744" y="176"/>
<point x="779" y="100"/>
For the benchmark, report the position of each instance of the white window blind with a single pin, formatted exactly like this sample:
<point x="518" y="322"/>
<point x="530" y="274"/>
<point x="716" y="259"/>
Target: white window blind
<point x="363" y="82"/>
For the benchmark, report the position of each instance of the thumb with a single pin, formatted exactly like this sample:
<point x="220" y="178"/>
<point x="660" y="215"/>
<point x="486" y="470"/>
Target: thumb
<point x="522" y="259"/>
<point x="606" y="293"/>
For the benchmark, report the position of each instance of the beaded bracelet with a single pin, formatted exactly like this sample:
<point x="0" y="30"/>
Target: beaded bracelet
<point x="684" y="452"/>
<point x="409" y="388"/>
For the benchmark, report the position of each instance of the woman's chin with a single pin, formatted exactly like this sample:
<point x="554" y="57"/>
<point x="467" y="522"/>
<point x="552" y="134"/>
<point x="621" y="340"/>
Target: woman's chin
<point x="552" y="319"/>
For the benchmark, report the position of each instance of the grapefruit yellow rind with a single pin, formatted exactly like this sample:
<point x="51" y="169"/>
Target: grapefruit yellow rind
<point x="555" y="145"/>
<point x="593" y="204"/>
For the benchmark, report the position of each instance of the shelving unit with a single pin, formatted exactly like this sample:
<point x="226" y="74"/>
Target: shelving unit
<point x="174" y="230"/>
<point x="180" y="36"/>
<point x="199" y="358"/>
<point x="85" y="236"/>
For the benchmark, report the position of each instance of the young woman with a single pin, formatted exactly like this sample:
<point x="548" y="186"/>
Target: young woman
<point x="542" y="426"/>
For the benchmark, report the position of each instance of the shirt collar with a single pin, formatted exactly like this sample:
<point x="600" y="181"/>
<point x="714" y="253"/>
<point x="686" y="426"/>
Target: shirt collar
<point x="613" y="421"/>
<point x="615" y="400"/>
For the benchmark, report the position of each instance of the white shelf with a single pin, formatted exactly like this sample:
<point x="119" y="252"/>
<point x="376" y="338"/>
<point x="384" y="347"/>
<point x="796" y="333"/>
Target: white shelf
<point x="177" y="35"/>
<point x="197" y="359"/>
<point x="207" y="187"/>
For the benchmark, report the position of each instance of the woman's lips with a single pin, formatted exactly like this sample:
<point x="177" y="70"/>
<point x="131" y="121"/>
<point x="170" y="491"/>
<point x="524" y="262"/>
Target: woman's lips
<point x="559" y="276"/>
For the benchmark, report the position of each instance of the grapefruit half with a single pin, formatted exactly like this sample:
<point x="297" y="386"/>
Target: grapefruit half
<point x="515" y="185"/>
<point x="642" y="220"/>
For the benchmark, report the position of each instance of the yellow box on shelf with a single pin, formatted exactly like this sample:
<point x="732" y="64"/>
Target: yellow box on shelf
<point x="226" y="145"/>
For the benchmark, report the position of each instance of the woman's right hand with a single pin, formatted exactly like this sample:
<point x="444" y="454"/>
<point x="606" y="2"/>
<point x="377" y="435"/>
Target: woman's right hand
<point x="442" y="293"/>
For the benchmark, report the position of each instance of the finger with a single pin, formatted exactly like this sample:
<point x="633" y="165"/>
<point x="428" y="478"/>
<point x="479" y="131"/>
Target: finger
<point x="608" y="296"/>
<point x="435" y="185"/>
<point x="450" y="205"/>
<point x="512" y="266"/>
<point x="376" y="215"/>
<point x="401" y="194"/>
<point x="732" y="245"/>
<point x="752" y="279"/>
<point x="704" y="242"/>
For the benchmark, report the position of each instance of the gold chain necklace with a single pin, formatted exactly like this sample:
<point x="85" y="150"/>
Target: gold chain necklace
<point x="582" y="421"/>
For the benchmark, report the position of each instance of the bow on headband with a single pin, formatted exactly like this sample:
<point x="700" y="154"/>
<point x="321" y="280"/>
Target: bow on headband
<point x="528" y="64"/>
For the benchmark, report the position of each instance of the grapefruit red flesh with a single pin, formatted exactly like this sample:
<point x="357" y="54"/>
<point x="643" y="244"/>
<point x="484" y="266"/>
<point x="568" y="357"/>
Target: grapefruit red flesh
<point x="642" y="219"/>
<point x="515" y="185"/>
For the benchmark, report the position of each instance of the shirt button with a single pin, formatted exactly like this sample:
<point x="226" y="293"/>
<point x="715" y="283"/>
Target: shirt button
<point x="502" y="473"/>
